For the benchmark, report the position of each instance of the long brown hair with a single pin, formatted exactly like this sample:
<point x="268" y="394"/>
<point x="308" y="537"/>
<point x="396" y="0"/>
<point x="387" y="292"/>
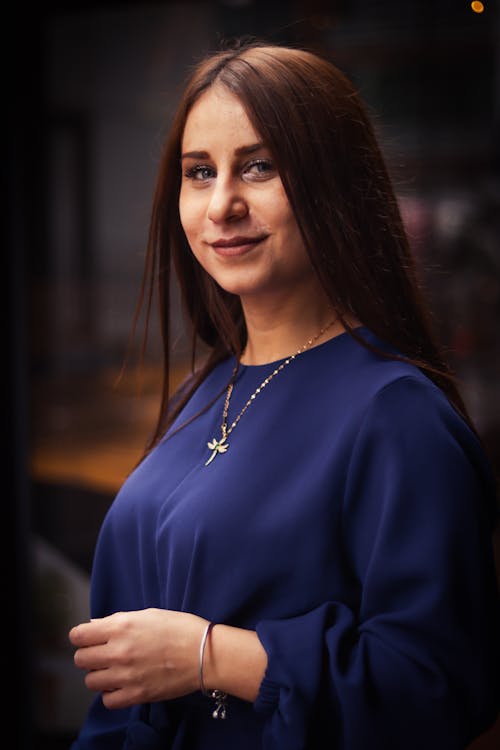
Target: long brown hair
<point x="321" y="137"/>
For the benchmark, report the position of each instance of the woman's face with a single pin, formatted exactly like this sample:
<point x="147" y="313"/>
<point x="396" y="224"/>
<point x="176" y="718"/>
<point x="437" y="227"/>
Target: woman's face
<point x="233" y="207"/>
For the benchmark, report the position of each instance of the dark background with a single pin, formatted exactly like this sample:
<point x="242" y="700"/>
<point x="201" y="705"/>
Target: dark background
<point x="91" y="89"/>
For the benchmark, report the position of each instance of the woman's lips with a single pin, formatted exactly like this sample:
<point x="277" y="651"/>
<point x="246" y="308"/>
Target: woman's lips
<point x="236" y="245"/>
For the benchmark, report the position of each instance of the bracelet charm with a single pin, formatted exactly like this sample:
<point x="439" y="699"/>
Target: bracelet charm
<point x="218" y="696"/>
<point x="220" y="699"/>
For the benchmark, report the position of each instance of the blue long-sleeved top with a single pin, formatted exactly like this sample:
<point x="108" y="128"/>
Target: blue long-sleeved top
<point x="349" y="523"/>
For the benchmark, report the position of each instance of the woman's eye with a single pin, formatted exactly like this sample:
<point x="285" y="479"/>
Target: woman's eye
<point x="260" y="169"/>
<point x="199" y="173"/>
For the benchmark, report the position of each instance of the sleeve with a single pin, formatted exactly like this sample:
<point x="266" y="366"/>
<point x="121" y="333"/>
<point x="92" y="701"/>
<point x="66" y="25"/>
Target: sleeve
<point x="141" y="727"/>
<point x="116" y="586"/>
<point x="415" y="662"/>
<point x="103" y="729"/>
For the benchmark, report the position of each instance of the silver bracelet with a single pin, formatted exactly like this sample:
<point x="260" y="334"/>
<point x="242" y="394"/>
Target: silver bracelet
<point x="219" y="696"/>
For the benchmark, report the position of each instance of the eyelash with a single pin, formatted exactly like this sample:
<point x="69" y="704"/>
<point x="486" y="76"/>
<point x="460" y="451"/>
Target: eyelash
<point x="257" y="162"/>
<point x="193" y="172"/>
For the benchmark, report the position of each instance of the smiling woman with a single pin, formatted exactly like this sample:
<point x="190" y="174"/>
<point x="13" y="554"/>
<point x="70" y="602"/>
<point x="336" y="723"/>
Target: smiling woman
<point x="320" y="573"/>
<point x="239" y="222"/>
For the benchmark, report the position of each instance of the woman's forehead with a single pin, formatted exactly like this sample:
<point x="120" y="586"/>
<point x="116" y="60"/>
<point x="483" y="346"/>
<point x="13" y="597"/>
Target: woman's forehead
<point x="217" y="117"/>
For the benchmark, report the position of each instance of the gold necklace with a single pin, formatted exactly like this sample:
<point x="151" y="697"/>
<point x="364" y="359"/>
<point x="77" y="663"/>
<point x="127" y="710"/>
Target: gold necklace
<point x="221" y="446"/>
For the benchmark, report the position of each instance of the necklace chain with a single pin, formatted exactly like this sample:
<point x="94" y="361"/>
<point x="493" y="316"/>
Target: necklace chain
<point x="221" y="446"/>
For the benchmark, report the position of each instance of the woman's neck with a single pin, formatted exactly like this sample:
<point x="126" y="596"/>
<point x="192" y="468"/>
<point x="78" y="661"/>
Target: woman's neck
<point x="277" y="330"/>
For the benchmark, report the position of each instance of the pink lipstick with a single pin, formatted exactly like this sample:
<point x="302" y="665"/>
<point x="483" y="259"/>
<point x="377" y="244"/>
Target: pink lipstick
<point x="238" y="245"/>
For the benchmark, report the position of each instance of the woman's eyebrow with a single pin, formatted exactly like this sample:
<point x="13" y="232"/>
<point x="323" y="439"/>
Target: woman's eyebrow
<point x="240" y="151"/>
<point x="246" y="150"/>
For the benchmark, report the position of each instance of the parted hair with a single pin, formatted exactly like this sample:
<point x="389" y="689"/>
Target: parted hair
<point x="319" y="132"/>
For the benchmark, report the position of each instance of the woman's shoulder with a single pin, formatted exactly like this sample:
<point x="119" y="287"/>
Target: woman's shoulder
<point x="397" y="390"/>
<point x="360" y="372"/>
<point x="406" y="414"/>
<point x="396" y="398"/>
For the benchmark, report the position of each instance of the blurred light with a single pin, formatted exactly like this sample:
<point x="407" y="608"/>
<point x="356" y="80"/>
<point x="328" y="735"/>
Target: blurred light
<point x="477" y="7"/>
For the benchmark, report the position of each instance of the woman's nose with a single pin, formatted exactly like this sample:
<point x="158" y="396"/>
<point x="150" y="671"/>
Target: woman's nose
<point x="226" y="203"/>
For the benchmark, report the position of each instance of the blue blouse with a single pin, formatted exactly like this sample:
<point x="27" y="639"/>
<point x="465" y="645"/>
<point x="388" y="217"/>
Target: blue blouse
<point x="349" y="523"/>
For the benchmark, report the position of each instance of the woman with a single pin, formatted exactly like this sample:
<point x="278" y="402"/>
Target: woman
<point x="302" y="559"/>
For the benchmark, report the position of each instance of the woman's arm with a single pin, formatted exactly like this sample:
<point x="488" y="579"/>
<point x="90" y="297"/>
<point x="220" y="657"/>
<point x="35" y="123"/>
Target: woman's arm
<point x="234" y="662"/>
<point x="151" y="655"/>
<point x="412" y="660"/>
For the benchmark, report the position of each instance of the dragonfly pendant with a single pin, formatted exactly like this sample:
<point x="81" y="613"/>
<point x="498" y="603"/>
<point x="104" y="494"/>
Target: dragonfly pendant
<point x="217" y="446"/>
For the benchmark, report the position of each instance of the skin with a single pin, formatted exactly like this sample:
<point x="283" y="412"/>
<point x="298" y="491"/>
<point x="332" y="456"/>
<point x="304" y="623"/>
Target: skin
<point x="241" y="228"/>
<point x="153" y="654"/>
<point x="229" y="192"/>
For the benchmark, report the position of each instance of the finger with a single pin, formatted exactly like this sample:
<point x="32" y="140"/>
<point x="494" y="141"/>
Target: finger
<point x="88" y="634"/>
<point x="102" y="680"/>
<point x="116" y="692"/>
<point x="119" y="698"/>
<point x="92" y="657"/>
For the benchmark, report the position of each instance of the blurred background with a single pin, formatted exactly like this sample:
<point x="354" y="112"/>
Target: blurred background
<point x="92" y="87"/>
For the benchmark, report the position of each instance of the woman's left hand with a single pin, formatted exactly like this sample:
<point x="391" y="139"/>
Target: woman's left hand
<point x="140" y="656"/>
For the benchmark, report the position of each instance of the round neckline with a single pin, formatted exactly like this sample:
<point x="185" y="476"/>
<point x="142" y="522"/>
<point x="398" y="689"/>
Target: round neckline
<point x="340" y="336"/>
